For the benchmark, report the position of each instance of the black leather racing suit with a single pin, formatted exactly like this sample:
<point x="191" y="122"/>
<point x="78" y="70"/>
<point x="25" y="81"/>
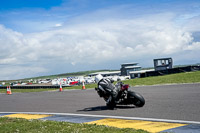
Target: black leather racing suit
<point x="108" y="86"/>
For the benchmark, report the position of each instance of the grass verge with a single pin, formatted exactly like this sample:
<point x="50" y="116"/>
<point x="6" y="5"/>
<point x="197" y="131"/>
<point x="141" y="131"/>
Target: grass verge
<point x="17" y="125"/>
<point x="28" y="90"/>
<point x="188" y="77"/>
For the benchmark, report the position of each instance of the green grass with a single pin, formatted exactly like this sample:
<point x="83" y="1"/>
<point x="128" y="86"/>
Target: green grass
<point x="87" y="86"/>
<point x="16" y="125"/>
<point x="64" y="75"/>
<point x="188" y="77"/>
<point x="28" y="90"/>
<point x="72" y="74"/>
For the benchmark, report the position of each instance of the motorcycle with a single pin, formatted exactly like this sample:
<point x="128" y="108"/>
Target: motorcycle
<point x="125" y="96"/>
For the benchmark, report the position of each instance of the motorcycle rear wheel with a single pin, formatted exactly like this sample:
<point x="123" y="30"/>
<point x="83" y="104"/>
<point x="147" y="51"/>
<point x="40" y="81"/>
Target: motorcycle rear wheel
<point x="136" y="98"/>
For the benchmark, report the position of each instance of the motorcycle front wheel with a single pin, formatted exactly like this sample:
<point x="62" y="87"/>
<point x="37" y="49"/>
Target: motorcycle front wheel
<point x="136" y="98"/>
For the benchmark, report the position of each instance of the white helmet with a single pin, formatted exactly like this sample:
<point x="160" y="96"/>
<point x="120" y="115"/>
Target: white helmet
<point x="98" y="78"/>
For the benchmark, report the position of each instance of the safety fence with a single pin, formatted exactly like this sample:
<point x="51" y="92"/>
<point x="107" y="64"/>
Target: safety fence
<point x="30" y="87"/>
<point x="171" y="71"/>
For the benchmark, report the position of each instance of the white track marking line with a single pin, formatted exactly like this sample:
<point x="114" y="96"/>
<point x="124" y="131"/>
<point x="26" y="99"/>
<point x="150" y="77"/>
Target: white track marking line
<point x="108" y="116"/>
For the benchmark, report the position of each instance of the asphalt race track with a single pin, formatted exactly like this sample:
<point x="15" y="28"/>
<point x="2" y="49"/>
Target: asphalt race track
<point x="173" y="102"/>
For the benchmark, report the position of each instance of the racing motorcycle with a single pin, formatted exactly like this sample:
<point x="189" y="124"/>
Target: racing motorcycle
<point x="125" y="96"/>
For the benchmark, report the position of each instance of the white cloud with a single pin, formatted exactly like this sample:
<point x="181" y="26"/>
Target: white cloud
<point x="16" y="72"/>
<point x="94" y="43"/>
<point x="58" y="25"/>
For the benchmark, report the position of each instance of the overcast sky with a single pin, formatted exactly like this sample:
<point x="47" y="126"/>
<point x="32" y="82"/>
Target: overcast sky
<point x="45" y="37"/>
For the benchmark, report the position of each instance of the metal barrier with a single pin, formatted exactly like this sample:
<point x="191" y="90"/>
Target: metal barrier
<point x="172" y="71"/>
<point x="30" y="87"/>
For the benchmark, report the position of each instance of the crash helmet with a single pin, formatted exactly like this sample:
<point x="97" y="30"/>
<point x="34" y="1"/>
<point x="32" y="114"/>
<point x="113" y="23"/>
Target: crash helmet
<point x="98" y="78"/>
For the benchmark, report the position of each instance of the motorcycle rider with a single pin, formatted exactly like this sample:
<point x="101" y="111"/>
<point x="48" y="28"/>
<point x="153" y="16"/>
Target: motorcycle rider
<point x="107" y="85"/>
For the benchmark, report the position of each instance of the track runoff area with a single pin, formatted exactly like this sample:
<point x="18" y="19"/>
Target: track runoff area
<point x="148" y="124"/>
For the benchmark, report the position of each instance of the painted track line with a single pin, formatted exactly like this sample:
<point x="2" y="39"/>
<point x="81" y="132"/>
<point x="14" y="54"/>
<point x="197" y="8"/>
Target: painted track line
<point x="148" y="124"/>
<point x="108" y="116"/>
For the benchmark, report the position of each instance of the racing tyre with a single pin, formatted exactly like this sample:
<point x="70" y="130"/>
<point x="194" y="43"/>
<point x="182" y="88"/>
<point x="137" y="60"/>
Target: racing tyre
<point x="136" y="99"/>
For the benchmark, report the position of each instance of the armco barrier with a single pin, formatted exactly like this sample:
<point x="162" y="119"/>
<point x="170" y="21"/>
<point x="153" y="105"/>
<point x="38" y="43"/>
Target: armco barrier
<point x="172" y="71"/>
<point x="30" y="87"/>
